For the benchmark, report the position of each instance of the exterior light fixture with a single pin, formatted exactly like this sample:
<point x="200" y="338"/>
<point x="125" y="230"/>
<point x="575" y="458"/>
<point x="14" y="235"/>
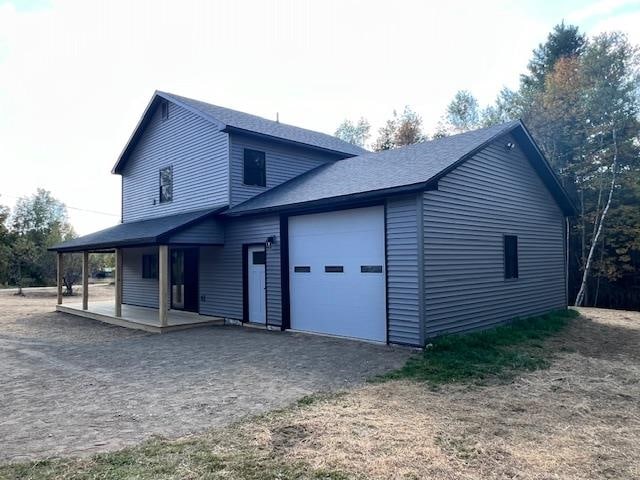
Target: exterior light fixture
<point x="509" y="146"/>
<point x="270" y="241"/>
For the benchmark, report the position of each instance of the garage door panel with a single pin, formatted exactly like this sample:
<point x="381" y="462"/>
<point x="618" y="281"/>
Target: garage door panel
<point x="347" y="303"/>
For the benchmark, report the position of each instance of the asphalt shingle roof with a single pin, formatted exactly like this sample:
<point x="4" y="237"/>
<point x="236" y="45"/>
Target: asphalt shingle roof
<point x="411" y="165"/>
<point x="253" y="123"/>
<point x="134" y="233"/>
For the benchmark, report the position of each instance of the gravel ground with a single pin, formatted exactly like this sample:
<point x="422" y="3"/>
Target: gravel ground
<point x="72" y="386"/>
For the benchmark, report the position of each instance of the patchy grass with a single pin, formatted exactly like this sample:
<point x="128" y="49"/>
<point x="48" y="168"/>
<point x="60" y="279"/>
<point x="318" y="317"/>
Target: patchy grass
<point x="501" y="351"/>
<point x="308" y="400"/>
<point x="577" y="419"/>
<point x="212" y="456"/>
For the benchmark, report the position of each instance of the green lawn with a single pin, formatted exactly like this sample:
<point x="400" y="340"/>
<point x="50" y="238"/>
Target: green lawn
<point x="502" y="351"/>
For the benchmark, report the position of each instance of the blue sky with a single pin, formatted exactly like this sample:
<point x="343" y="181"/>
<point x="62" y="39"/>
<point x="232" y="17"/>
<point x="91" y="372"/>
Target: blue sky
<point x="76" y="75"/>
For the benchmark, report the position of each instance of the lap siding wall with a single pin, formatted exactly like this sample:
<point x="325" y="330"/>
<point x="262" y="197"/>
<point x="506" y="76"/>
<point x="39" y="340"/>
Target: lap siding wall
<point x="221" y="269"/>
<point x="495" y="193"/>
<point x="403" y="292"/>
<point x="136" y="290"/>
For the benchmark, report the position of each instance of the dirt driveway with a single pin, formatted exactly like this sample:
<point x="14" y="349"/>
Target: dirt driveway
<point x="73" y="386"/>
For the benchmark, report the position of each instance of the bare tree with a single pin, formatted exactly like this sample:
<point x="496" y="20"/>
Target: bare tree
<point x="599" y="222"/>
<point x="72" y="273"/>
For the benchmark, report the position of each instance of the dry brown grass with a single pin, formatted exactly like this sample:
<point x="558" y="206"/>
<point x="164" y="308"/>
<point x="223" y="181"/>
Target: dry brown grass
<point x="578" y="419"/>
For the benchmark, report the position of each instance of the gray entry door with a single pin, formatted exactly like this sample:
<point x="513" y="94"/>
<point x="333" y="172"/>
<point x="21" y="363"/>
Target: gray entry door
<point x="256" y="263"/>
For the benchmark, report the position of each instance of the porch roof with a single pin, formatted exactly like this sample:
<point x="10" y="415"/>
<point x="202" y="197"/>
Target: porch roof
<point x="144" y="232"/>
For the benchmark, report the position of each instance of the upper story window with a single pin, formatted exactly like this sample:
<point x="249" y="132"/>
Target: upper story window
<point x="166" y="184"/>
<point x="510" y="256"/>
<point x="164" y="110"/>
<point x="255" y="168"/>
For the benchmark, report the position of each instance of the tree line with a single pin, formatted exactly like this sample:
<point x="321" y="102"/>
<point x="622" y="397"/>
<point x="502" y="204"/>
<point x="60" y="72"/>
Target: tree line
<point x="36" y="223"/>
<point x="579" y="97"/>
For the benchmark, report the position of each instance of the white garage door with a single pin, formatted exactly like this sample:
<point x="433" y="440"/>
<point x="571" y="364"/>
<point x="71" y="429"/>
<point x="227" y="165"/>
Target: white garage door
<point x="337" y="273"/>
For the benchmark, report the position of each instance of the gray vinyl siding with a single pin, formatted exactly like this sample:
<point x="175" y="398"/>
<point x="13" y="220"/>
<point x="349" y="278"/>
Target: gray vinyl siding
<point x="210" y="231"/>
<point x="282" y="163"/>
<point x="403" y="292"/>
<point x="198" y="153"/>
<point x="221" y="269"/>
<point x="495" y="193"/>
<point x="135" y="289"/>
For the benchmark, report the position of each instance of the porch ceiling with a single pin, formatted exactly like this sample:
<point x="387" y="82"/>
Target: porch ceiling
<point x="145" y="232"/>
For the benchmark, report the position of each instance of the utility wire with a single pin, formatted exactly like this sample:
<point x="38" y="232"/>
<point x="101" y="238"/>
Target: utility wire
<point x="97" y="212"/>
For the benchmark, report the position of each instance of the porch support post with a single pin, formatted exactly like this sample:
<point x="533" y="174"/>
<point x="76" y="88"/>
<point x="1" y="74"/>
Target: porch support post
<point x="163" y="284"/>
<point x="60" y="273"/>
<point x="85" y="280"/>
<point x="118" y="273"/>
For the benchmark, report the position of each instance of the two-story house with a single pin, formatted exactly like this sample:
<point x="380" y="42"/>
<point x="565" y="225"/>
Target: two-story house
<point x="229" y="217"/>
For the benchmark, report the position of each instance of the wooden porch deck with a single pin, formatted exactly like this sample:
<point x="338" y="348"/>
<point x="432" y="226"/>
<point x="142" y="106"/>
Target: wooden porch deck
<point x="139" y="318"/>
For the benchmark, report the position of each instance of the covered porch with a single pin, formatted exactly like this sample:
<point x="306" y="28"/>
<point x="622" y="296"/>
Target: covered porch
<point x="139" y="318"/>
<point x="163" y="296"/>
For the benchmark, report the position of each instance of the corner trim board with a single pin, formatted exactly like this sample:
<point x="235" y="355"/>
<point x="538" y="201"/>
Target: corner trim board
<point x="386" y="276"/>
<point x="420" y="246"/>
<point x="284" y="273"/>
<point x="245" y="283"/>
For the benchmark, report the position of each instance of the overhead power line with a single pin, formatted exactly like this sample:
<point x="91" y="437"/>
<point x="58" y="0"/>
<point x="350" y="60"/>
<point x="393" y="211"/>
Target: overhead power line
<point x="97" y="212"/>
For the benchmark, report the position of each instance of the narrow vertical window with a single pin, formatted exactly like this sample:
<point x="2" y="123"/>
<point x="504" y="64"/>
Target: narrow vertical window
<point x="510" y="256"/>
<point x="164" y="109"/>
<point x="166" y="184"/>
<point x="255" y="171"/>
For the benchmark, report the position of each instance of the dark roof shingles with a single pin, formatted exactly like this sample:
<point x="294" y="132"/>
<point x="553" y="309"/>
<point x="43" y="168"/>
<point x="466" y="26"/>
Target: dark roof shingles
<point x="253" y="123"/>
<point x="140" y="232"/>
<point x="414" y="164"/>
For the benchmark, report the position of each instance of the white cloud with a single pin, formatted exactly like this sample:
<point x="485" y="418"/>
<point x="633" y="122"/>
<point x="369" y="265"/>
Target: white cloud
<point x="599" y="9"/>
<point x="76" y="75"/>
<point x="627" y="22"/>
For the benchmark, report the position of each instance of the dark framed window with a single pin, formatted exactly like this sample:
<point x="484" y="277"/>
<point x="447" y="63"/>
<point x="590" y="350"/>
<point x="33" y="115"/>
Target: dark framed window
<point x="166" y="184"/>
<point x="150" y="266"/>
<point x="510" y="256"/>
<point x="302" y="269"/>
<point x="164" y="110"/>
<point x="255" y="168"/>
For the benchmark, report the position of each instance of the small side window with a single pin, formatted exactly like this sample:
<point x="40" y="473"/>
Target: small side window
<point x="166" y="184"/>
<point x="510" y="256"/>
<point x="150" y="266"/>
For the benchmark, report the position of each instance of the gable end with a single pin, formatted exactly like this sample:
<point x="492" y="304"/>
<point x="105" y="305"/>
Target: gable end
<point x="523" y="142"/>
